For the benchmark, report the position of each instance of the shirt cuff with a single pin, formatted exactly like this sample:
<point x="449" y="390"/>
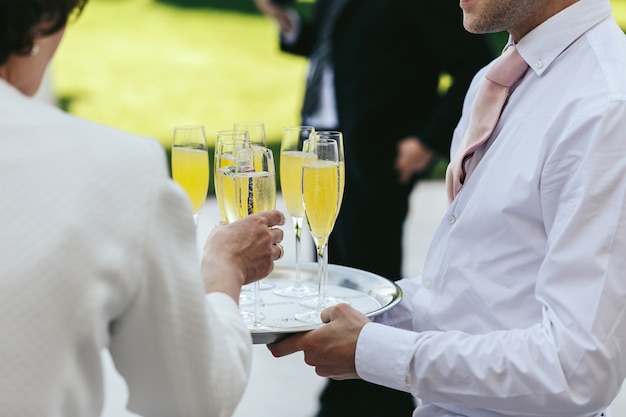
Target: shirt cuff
<point x="225" y="306"/>
<point x="391" y="369"/>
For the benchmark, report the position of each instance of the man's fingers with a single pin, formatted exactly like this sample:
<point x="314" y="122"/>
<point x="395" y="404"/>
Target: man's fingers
<point x="273" y="217"/>
<point x="287" y="346"/>
<point x="326" y="314"/>
<point x="280" y="250"/>
<point x="277" y="235"/>
<point x="332" y="312"/>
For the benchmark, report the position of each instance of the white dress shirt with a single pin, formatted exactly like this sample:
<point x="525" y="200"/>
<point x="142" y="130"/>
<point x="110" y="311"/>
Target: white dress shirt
<point x="521" y="306"/>
<point x="98" y="251"/>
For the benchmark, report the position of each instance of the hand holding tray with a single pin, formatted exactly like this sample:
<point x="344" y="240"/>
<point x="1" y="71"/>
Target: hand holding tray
<point x="369" y="293"/>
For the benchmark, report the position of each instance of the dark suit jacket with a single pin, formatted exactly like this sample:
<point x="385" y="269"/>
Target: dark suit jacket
<point x="388" y="56"/>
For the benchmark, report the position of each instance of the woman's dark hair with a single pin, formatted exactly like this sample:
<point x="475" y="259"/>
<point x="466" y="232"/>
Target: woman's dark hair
<point x="21" y="21"/>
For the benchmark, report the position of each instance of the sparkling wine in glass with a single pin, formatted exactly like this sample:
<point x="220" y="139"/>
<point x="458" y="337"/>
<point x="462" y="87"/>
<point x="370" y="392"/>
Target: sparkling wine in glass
<point x="256" y="135"/>
<point x="226" y="144"/>
<point x="291" y="186"/>
<point x="320" y="195"/>
<point x="255" y="191"/>
<point x="338" y="137"/>
<point x="190" y="164"/>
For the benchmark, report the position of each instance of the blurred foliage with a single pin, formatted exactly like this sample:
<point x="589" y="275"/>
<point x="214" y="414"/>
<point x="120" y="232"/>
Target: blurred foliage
<point x="144" y="66"/>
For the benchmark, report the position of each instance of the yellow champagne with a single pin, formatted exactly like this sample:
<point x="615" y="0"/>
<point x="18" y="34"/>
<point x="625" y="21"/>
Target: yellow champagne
<point x="190" y="169"/>
<point x="320" y="185"/>
<point x="225" y="187"/>
<point x="291" y="182"/>
<point x="342" y="183"/>
<point x="257" y="192"/>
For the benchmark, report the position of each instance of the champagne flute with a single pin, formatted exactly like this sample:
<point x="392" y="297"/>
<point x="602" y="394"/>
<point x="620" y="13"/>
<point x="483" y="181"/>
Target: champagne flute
<point x="190" y="164"/>
<point x="256" y="132"/>
<point x="255" y="191"/>
<point x="338" y="137"/>
<point x="226" y="144"/>
<point x="256" y="135"/>
<point x="320" y="194"/>
<point x="291" y="186"/>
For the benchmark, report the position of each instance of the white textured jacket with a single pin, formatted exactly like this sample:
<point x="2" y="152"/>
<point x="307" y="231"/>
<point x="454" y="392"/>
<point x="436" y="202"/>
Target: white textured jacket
<point x="98" y="250"/>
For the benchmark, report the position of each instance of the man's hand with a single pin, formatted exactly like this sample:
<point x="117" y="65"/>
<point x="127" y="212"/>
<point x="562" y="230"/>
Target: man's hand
<point x="331" y="348"/>
<point x="242" y="252"/>
<point x="278" y="13"/>
<point x="413" y="157"/>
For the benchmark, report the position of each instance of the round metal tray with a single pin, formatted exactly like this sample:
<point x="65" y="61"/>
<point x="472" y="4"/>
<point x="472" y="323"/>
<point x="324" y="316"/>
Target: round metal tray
<point x="369" y="293"/>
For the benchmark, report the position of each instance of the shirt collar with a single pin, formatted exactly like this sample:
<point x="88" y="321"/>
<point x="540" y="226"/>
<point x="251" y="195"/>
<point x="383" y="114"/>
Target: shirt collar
<point x="542" y="45"/>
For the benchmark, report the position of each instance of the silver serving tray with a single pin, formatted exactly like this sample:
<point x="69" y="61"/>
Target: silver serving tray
<point x="369" y="293"/>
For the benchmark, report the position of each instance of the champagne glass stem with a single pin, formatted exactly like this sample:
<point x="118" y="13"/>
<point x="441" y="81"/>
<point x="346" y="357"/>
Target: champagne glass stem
<point x="298" y="289"/>
<point x="322" y="272"/>
<point x="257" y="304"/>
<point x="297" y="222"/>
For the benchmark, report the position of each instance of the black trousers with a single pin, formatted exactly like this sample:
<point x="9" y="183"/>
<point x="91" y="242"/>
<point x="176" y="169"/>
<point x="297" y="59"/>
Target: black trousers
<point x="357" y="398"/>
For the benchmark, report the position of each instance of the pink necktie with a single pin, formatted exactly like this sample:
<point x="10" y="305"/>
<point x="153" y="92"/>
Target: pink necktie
<point x="488" y="104"/>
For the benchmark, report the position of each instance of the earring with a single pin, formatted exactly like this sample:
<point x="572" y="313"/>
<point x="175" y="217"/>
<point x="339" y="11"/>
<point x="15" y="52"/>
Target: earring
<point x="35" y="49"/>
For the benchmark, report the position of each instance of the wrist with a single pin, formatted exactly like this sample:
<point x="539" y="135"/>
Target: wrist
<point x="222" y="276"/>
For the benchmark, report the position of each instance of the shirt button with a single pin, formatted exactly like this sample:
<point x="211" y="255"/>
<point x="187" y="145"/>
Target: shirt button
<point x="451" y="219"/>
<point x="428" y="284"/>
<point x="539" y="63"/>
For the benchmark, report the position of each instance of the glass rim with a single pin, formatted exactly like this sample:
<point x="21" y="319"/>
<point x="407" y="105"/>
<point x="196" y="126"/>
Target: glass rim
<point x="321" y="140"/>
<point x="231" y="132"/>
<point x="328" y="132"/>
<point x="299" y="127"/>
<point x="188" y="127"/>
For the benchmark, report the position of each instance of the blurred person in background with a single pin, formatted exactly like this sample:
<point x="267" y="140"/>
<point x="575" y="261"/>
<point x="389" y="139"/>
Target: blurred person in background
<point x="99" y="251"/>
<point x="374" y="74"/>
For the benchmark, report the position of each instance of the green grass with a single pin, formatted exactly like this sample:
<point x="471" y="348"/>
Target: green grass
<point x="144" y="66"/>
<point x="619" y="11"/>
